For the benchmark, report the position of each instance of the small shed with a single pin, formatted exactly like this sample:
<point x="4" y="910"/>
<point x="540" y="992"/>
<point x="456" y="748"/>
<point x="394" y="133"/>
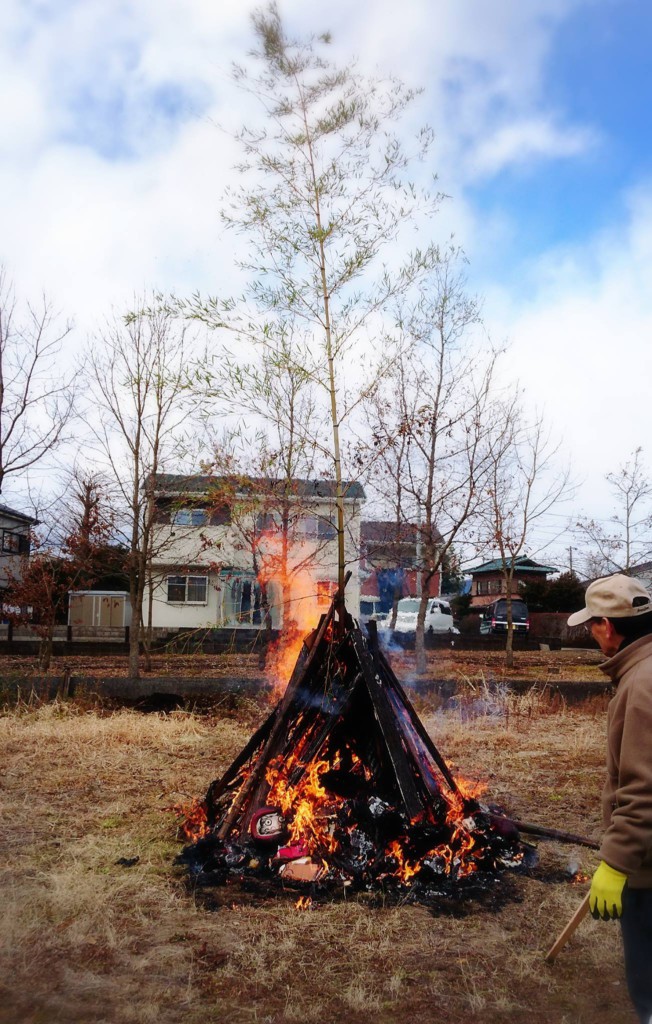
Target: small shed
<point x="103" y="608"/>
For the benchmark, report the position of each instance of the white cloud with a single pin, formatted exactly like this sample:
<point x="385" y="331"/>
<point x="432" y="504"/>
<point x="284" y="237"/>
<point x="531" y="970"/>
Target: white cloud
<point x="105" y="190"/>
<point x="526" y="141"/>
<point x="581" y="344"/>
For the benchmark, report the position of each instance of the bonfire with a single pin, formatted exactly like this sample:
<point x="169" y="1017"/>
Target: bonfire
<point x="342" y="789"/>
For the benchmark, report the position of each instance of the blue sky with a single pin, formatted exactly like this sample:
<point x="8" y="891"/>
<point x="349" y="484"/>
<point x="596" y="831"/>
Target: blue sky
<point x="597" y="74"/>
<point x="111" y="171"/>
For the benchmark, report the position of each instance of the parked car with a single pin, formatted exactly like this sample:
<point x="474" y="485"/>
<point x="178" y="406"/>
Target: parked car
<point x="439" y="618"/>
<point x="493" y="618"/>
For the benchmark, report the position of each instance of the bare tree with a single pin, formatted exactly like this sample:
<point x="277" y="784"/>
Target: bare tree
<point x="68" y="553"/>
<point x="432" y="437"/>
<point x="138" y="384"/>
<point x="277" y="441"/>
<point x="524" y="483"/>
<point x="624" y="540"/>
<point x="36" y="397"/>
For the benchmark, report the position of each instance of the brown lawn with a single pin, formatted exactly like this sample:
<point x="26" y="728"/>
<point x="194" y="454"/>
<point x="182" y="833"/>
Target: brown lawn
<point x="445" y="663"/>
<point x="84" y="939"/>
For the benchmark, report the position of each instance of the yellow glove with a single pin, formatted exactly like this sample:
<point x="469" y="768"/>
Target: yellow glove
<point x="606" y="895"/>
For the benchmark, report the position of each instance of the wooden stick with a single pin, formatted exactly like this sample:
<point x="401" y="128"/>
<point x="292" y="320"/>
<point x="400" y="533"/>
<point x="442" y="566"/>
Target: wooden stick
<point x="565" y="935"/>
<point x="550" y="833"/>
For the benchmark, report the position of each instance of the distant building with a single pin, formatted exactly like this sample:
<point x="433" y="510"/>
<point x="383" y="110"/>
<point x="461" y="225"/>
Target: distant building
<point x="14" y="542"/>
<point x="643" y="573"/>
<point x="389" y="562"/>
<point x="488" y="582"/>
<point x="99" y="608"/>
<point x="216" y="538"/>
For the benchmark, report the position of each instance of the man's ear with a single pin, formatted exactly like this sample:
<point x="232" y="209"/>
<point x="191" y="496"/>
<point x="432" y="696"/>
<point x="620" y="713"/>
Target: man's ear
<point x="612" y="632"/>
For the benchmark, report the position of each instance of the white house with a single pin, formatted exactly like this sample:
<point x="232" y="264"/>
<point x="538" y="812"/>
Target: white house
<point x="14" y="542"/>
<point x="219" y="543"/>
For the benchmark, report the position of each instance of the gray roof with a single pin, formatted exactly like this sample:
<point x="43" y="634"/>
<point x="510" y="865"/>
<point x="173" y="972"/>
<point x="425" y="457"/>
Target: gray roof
<point x="179" y="483"/>
<point x="375" y="531"/>
<point x="20" y="516"/>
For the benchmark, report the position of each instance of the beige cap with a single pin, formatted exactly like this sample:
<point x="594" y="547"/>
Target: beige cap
<point x="613" y="597"/>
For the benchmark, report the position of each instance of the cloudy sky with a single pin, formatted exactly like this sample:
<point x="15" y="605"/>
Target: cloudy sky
<point x="111" y="171"/>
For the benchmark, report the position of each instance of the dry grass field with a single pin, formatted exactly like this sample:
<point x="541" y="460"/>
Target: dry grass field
<point x="86" y="939"/>
<point x="443" y="663"/>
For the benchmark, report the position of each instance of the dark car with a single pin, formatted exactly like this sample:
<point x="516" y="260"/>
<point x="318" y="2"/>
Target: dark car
<point x="493" y="618"/>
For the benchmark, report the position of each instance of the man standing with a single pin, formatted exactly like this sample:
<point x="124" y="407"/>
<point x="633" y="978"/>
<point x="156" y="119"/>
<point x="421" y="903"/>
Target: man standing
<point x="619" y="615"/>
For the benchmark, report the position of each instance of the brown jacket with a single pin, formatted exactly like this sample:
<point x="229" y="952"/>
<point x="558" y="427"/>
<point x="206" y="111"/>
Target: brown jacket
<point x="627" y="795"/>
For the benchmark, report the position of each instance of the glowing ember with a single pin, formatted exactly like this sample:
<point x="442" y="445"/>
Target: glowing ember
<point x="579" y="878"/>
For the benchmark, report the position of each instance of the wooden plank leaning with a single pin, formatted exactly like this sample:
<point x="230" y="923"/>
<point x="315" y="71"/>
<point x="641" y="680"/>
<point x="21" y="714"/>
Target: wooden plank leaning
<point x="386" y="719"/>
<point x="255" y="784"/>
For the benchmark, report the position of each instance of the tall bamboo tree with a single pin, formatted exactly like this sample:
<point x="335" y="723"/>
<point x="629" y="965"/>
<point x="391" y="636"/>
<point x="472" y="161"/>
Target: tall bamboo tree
<point x="324" y="202"/>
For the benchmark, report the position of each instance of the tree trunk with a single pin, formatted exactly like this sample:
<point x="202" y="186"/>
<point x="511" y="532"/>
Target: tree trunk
<point x="509" y="645"/>
<point x="266" y="632"/>
<point x="134" y="647"/>
<point x="45" y="651"/>
<point x="396" y="597"/>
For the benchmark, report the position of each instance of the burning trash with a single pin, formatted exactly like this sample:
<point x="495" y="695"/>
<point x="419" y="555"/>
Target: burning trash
<point x="342" y="788"/>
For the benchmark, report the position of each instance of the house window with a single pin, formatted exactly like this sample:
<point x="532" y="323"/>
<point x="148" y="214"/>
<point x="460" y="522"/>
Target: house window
<point x="187" y="589"/>
<point x="189" y="517"/>
<point x="326" y="529"/>
<point x="266" y="522"/>
<point x="11" y="541"/>
<point x="325" y="591"/>
<point x="315" y="528"/>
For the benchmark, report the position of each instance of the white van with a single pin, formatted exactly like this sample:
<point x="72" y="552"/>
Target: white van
<point x="439" y="618"/>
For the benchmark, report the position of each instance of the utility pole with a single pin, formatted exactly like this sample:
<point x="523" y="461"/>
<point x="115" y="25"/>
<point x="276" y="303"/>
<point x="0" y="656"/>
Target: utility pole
<point x="570" y="555"/>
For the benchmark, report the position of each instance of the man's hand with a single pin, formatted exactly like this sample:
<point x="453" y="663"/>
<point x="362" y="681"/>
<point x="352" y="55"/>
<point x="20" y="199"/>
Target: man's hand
<point x="606" y="896"/>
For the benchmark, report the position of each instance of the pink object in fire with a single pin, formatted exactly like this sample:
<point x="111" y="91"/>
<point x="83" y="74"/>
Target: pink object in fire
<point x="292" y="852"/>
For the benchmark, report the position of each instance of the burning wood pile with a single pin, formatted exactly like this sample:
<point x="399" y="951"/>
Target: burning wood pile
<point x="342" y="788"/>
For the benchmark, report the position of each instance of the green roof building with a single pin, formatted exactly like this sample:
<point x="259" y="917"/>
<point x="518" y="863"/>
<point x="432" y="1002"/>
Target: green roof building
<point x="488" y="581"/>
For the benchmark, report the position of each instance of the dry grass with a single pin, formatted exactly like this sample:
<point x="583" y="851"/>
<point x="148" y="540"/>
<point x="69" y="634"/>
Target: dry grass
<point x="444" y="663"/>
<point x="480" y="666"/>
<point x="87" y="940"/>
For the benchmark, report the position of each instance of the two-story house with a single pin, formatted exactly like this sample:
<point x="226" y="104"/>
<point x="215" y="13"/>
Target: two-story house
<point x="228" y="552"/>
<point x="488" y="579"/>
<point x="14" y="542"/>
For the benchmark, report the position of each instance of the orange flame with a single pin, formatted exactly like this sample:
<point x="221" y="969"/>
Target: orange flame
<point x="282" y="656"/>
<point x="195" y="824"/>
<point x="458" y="854"/>
<point x="290" y="571"/>
<point x="467" y="789"/>
<point x="405" y="870"/>
<point x="308" y="805"/>
<point x="303" y="903"/>
<point x="579" y="878"/>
